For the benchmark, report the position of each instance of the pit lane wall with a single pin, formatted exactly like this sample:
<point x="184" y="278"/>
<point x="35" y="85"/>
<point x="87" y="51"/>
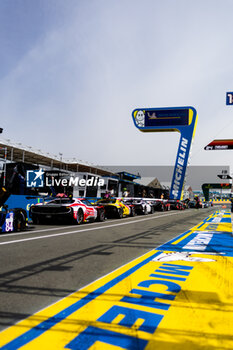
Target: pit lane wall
<point x="220" y="201"/>
<point x="178" y="296"/>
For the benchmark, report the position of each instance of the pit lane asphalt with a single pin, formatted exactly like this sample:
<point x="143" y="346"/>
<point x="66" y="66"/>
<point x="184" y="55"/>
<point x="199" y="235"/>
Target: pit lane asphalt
<point x="46" y="263"/>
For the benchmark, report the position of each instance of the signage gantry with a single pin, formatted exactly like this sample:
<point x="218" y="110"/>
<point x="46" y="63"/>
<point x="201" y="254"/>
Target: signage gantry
<point x="181" y="119"/>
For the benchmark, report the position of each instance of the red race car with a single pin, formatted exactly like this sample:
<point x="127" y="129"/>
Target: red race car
<point x="63" y="209"/>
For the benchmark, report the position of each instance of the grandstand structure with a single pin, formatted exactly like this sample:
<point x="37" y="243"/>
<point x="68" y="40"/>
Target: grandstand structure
<point x="16" y="159"/>
<point x="16" y="152"/>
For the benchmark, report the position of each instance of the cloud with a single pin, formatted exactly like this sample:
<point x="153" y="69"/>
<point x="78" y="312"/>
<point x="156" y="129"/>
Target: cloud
<point x="75" y="89"/>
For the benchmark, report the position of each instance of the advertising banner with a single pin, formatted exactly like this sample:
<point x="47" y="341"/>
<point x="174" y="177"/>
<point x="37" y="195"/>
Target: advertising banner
<point x="219" y="145"/>
<point x="181" y="119"/>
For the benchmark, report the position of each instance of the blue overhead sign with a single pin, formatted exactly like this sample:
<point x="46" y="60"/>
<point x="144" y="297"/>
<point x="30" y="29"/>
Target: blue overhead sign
<point x="181" y="119"/>
<point x="152" y="118"/>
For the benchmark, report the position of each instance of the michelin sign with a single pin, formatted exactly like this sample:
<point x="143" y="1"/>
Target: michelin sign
<point x="181" y="119"/>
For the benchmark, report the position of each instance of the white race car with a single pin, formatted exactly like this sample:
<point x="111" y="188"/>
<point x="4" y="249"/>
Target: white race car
<point x="142" y="207"/>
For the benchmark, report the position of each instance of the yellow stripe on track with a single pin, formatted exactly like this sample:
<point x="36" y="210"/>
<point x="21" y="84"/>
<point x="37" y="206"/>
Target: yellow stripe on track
<point x="182" y="238"/>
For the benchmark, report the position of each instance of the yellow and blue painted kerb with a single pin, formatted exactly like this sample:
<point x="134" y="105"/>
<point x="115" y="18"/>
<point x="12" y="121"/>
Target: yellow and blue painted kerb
<point x="177" y="296"/>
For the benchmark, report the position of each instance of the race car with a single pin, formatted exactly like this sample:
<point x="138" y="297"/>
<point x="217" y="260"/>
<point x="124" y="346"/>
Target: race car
<point x="195" y="204"/>
<point x="129" y="203"/>
<point x="158" y="205"/>
<point x="63" y="209"/>
<point x="114" y="207"/>
<point x="143" y="207"/>
<point x="192" y="204"/>
<point x="12" y="220"/>
<point x="206" y="204"/>
<point x="176" y="204"/>
<point x="100" y="209"/>
<point x="167" y="205"/>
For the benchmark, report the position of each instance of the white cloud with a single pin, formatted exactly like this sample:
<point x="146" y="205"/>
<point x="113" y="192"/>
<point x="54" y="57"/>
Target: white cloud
<point x="75" y="90"/>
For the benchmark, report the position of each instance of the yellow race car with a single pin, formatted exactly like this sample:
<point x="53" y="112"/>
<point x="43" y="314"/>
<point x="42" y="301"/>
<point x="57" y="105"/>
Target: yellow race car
<point x="114" y="208"/>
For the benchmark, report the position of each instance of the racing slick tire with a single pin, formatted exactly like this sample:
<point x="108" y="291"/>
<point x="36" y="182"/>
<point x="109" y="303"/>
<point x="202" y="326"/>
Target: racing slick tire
<point x="132" y="212"/>
<point x="20" y="220"/>
<point x="119" y="213"/>
<point x="101" y="216"/>
<point x="80" y="217"/>
<point x="145" y="211"/>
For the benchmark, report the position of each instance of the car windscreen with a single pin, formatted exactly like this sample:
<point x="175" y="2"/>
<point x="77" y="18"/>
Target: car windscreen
<point x="61" y="201"/>
<point x="86" y="201"/>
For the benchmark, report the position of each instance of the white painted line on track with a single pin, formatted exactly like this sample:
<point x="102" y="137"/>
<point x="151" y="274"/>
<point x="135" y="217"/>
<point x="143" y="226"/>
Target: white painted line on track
<point x="87" y="229"/>
<point x="64" y="227"/>
<point x="46" y="230"/>
<point x="55" y="228"/>
<point x="32" y="231"/>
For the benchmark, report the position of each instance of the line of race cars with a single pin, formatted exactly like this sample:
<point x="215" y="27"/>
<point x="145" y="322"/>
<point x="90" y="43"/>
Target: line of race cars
<point x="80" y="210"/>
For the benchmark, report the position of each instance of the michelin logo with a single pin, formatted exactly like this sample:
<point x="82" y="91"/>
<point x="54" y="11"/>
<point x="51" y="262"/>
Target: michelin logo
<point x="183" y="256"/>
<point x="140" y="118"/>
<point x="35" y="178"/>
<point x="180" y="169"/>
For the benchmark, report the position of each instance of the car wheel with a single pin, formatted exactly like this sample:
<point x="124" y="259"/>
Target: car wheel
<point x="132" y="212"/>
<point x="80" y="217"/>
<point x="120" y="213"/>
<point x="101" y="215"/>
<point x="19" y="222"/>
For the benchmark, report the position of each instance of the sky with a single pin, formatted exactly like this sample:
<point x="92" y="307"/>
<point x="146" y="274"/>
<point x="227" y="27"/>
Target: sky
<point x="72" y="72"/>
